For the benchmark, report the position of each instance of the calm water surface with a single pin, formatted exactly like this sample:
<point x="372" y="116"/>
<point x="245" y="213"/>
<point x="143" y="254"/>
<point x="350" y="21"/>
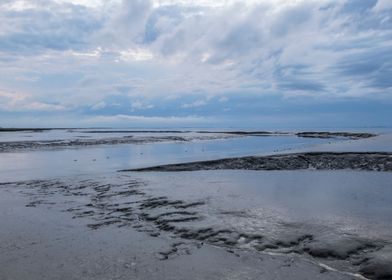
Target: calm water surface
<point x="50" y="163"/>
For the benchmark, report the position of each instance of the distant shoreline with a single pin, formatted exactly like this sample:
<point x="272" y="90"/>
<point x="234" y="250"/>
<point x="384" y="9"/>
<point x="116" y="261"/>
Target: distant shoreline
<point x="313" y="134"/>
<point x="24" y="129"/>
<point x="134" y="137"/>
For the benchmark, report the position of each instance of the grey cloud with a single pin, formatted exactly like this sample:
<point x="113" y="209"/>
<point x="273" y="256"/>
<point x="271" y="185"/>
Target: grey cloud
<point x="291" y="18"/>
<point x="125" y="24"/>
<point x="55" y="27"/>
<point x="297" y="78"/>
<point x="314" y="47"/>
<point x="371" y="65"/>
<point x="163" y="18"/>
<point x="301" y="85"/>
<point x="60" y="26"/>
<point x="358" y="6"/>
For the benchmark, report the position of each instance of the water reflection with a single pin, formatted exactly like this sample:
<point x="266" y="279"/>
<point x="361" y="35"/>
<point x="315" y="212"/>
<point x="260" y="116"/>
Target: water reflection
<point x="43" y="164"/>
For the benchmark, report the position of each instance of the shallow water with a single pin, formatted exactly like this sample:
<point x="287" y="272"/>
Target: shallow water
<point x="23" y="165"/>
<point x="84" y="133"/>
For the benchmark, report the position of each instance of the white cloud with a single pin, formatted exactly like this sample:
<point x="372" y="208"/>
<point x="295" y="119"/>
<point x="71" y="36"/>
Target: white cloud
<point x="88" y="3"/>
<point x="125" y="25"/>
<point x="131" y="119"/>
<point x="383" y="5"/>
<point x="99" y="106"/>
<point x="41" y="106"/>
<point x="10" y="99"/>
<point x="14" y="102"/>
<point x="140" y="105"/>
<point x="136" y="54"/>
<point x="78" y="54"/>
<point x="195" y="104"/>
<point x="223" y="99"/>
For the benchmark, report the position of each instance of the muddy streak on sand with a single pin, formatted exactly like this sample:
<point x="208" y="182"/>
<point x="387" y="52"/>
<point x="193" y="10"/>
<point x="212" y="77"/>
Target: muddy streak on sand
<point x="306" y="134"/>
<point x="325" y="134"/>
<point x="122" y="201"/>
<point x="56" y="144"/>
<point x="374" y="161"/>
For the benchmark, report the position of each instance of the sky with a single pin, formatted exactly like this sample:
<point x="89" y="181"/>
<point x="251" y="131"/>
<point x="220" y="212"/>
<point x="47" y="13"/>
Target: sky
<point x="195" y="63"/>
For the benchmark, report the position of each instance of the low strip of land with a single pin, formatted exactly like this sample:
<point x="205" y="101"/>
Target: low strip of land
<point x="325" y="134"/>
<point x="371" y="161"/>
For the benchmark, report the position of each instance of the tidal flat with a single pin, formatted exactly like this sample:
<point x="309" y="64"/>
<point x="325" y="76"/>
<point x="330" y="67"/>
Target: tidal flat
<point x="68" y="213"/>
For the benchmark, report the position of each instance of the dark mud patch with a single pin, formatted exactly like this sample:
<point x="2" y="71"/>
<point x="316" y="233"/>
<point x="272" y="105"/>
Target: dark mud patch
<point x="11" y="146"/>
<point x="256" y="133"/>
<point x="24" y="129"/>
<point x="83" y="142"/>
<point x="325" y="134"/>
<point x="371" y="161"/>
<point x="121" y="201"/>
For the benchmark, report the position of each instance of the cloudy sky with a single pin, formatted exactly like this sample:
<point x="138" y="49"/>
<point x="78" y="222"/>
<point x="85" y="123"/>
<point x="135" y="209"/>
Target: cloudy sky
<point x="253" y="63"/>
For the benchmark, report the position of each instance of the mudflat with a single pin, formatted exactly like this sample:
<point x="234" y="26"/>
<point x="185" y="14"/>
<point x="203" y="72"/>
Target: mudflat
<point x="299" y="215"/>
<point x="294" y="161"/>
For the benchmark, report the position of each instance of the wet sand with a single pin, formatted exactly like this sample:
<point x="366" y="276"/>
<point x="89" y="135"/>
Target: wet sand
<point x="326" y="134"/>
<point x="295" y="161"/>
<point x="12" y="146"/>
<point x="215" y="224"/>
<point x="124" y="226"/>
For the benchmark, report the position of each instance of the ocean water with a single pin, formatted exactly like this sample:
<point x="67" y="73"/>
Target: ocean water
<point x="34" y="164"/>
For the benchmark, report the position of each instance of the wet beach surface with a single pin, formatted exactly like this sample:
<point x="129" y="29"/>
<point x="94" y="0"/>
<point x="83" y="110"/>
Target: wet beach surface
<point x="161" y="217"/>
<point x="216" y="224"/>
<point x="59" y="153"/>
<point x="366" y="161"/>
